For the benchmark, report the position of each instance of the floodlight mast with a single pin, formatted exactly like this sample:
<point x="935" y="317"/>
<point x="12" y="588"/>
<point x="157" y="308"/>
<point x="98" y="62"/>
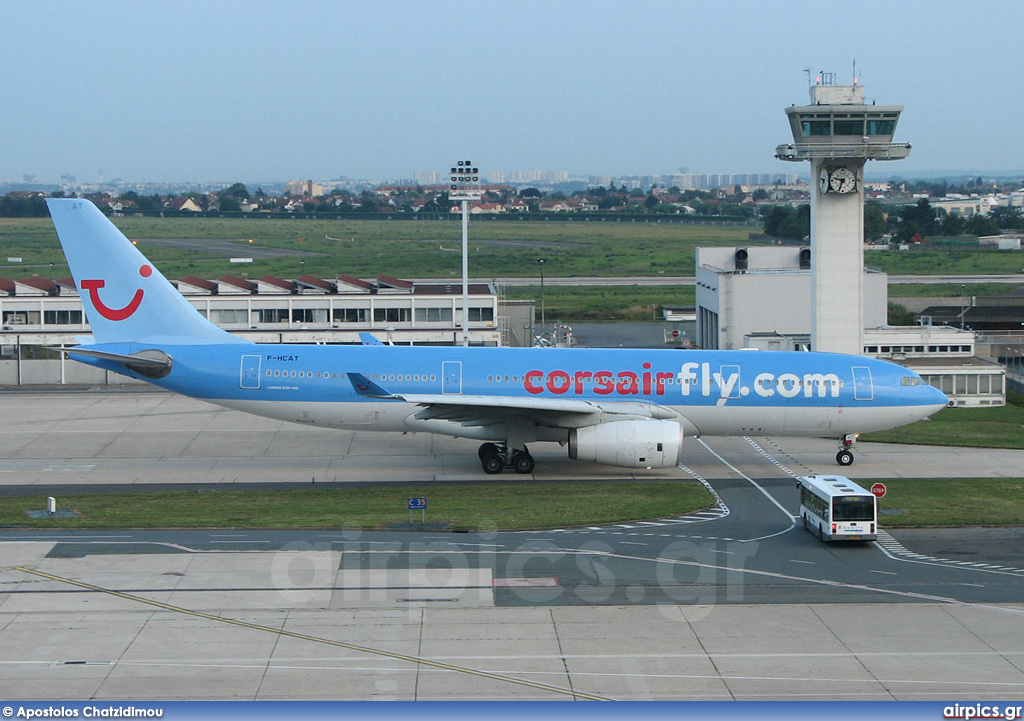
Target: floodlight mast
<point x="465" y="186"/>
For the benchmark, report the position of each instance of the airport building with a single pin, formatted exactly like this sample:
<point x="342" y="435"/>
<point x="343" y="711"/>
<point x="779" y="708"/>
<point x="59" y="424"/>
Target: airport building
<point x="38" y="314"/>
<point x="765" y="289"/>
<point x="759" y="297"/>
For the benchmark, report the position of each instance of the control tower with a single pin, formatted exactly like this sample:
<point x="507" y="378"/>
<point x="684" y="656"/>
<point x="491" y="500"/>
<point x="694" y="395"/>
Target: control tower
<point x="838" y="133"/>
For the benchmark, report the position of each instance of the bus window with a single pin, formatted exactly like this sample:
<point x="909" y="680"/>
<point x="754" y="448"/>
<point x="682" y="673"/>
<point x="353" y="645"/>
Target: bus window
<point x="853" y="508"/>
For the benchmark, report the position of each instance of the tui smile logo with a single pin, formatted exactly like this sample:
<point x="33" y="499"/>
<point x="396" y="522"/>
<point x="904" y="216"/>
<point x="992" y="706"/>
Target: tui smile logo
<point x="93" y="286"/>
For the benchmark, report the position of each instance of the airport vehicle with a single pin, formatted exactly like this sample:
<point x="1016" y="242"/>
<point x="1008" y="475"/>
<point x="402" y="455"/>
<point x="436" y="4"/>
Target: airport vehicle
<point x="837" y="509"/>
<point x="622" y="407"/>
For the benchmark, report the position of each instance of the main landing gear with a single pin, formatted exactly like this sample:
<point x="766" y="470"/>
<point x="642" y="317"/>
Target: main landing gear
<point x="845" y="456"/>
<point x="496" y="457"/>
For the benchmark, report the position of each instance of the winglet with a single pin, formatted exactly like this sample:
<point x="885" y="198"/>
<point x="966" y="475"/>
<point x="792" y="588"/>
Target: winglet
<point x="369" y="339"/>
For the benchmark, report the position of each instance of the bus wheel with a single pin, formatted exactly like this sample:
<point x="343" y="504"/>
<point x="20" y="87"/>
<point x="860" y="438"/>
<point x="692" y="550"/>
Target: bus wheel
<point x="844" y="458"/>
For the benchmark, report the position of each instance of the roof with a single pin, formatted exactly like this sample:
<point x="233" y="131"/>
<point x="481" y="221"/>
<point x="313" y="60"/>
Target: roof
<point x="192" y="280"/>
<point x="392" y="282"/>
<point x="246" y="285"/>
<point x="39" y="283"/>
<point x="285" y="285"/>
<point x="6" y="285"/>
<point x="451" y="289"/>
<point x="990" y="313"/>
<point x="921" y="365"/>
<point x="941" y="311"/>
<point x="354" y="283"/>
<point x="310" y="281"/>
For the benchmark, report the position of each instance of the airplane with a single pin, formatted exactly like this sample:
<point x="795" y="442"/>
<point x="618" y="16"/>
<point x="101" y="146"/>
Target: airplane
<point x="621" y="407"/>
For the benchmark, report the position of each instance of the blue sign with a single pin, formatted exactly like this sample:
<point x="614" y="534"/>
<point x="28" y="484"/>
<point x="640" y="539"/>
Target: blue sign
<point x="417" y="504"/>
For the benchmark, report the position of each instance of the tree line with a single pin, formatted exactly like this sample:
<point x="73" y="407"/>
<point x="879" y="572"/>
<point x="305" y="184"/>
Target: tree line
<point x="904" y="223"/>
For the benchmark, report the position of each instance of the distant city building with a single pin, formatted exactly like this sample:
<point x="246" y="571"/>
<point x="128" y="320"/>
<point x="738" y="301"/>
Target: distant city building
<point x="429" y="177"/>
<point x="694" y="181"/>
<point x="306" y="188"/>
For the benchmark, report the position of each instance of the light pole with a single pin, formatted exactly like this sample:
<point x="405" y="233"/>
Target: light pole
<point x="962" y="311"/>
<point x="543" y="324"/>
<point x="465" y="186"/>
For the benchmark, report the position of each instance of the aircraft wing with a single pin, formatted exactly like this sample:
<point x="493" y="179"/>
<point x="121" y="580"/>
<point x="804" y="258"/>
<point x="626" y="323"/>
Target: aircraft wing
<point x="561" y="413"/>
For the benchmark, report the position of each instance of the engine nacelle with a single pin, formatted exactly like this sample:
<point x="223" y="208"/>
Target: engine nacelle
<point x="631" y="444"/>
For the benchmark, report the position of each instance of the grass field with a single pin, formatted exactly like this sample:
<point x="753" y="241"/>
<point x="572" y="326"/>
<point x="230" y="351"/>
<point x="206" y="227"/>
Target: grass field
<point x="949" y="290"/>
<point x="399" y="248"/>
<point x="953" y="502"/>
<point x="591" y="302"/>
<point x="485" y="507"/>
<point x="975" y="427"/>
<point x="492" y="507"/>
<point x="367" y="248"/>
<point x="938" y="262"/>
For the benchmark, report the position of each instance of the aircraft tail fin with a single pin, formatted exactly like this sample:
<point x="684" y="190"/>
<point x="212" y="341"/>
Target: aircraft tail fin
<point x="126" y="299"/>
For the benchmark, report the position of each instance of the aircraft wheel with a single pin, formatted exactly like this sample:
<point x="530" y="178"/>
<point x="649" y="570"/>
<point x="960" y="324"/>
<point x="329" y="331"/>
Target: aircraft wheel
<point x="488" y="449"/>
<point x="492" y="464"/>
<point x="523" y="462"/>
<point x="844" y="458"/>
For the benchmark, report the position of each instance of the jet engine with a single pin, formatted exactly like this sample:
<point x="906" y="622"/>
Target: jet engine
<point x="631" y="444"/>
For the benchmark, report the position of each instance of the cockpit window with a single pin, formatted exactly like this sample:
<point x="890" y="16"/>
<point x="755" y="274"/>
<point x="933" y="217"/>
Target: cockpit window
<point x="910" y="381"/>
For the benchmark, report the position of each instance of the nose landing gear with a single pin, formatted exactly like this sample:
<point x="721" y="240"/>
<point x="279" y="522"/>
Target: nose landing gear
<point x="496" y="457"/>
<point x="845" y="456"/>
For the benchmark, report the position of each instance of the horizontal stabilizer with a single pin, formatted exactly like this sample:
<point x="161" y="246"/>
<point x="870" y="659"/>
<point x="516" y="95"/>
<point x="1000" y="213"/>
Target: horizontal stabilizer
<point x="150" y="363"/>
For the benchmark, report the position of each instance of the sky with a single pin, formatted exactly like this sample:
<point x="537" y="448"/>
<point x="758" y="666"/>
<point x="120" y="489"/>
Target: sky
<point x="197" y="91"/>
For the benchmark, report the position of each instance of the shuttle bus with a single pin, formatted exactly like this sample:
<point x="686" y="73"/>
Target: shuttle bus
<point x="837" y="509"/>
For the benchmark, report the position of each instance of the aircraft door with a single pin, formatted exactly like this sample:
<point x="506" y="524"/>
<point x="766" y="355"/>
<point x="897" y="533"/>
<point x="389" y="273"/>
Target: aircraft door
<point x="451" y="377"/>
<point x="728" y="381"/>
<point x="249" y="377"/>
<point x="863" y="389"/>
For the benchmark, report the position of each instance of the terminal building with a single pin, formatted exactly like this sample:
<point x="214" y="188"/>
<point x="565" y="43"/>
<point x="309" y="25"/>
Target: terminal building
<point x="38" y="314"/>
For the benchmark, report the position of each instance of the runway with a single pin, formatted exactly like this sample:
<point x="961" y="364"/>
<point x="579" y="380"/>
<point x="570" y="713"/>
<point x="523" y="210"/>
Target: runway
<point x="733" y="603"/>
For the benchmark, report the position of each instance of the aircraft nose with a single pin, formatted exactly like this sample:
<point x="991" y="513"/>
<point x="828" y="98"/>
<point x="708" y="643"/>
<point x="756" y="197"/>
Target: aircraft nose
<point x="936" y="397"/>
